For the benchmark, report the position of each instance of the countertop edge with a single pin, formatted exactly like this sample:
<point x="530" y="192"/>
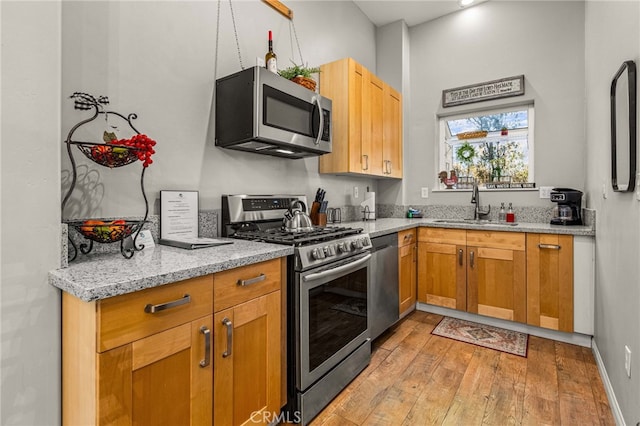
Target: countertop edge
<point x="91" y="288"/>
<point x="110" y="289"/>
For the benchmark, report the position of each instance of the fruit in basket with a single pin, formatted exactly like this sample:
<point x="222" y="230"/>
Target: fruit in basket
<point x="90" y="224"/>
<point x="98" y="152"/>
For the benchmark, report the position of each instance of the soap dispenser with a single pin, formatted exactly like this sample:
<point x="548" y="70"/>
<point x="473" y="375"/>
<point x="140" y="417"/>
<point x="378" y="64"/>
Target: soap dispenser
<point x="502" y="214"/>
<point x="511" y="217"/>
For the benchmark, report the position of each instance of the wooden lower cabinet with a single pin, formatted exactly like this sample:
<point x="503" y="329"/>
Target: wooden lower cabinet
<point x="248" y="344"/>
<point x="442" y="276"/>
<point x="162" y="379"/>
<point x="482" y="272"/>
<point x="247" y="362"/>
<point x="407" y="260"/>
<point x="161" y="372"/>
<point x="550" y="281"/>
<point x="207" y="350"/>
<point x="496" y="274"/>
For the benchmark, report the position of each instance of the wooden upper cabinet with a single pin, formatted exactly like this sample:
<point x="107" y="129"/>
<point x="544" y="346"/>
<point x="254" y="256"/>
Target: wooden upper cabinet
<point x="392" y="138"/>
<point x="496" y="274"/>
<point x="550" y="281"/>
<point x="366" y="119"/>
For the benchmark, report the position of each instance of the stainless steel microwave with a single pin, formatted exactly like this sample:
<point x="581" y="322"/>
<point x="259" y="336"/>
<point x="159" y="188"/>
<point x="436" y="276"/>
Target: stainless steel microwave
<point x="259" y="111"/>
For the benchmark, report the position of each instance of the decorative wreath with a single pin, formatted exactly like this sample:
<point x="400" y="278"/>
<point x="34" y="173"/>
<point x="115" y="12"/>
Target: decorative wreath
<point x="466" y="152"/>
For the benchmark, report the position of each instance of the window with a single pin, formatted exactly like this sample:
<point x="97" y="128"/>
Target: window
<point x="492" y="147"/>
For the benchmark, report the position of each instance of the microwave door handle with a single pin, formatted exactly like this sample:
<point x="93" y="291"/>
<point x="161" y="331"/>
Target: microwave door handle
<point x="316" y="100"/>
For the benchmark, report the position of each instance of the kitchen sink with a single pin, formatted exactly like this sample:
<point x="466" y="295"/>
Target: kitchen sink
<point x="476" y="222"/>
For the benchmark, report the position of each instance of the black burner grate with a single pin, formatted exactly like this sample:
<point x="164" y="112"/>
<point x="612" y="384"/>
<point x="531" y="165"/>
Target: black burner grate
<point x="280" y="236"/>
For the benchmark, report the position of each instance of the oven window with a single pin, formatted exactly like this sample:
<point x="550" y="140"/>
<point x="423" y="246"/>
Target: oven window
<point x="337" y="315"/>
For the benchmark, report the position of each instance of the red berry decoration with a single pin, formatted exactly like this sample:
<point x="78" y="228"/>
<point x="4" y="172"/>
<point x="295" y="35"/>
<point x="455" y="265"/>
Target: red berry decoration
<point x="144" y="147"/>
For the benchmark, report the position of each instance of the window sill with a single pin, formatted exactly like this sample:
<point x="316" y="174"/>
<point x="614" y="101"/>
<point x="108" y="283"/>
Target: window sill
<point x="488" y="190"/>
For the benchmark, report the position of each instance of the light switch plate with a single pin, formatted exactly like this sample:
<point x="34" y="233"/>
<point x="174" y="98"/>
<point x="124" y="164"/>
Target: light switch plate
<point x="545" y="191"/>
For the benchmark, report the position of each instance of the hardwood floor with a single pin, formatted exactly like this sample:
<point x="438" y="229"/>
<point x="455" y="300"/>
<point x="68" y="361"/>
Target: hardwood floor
<point x="416" y="378"/>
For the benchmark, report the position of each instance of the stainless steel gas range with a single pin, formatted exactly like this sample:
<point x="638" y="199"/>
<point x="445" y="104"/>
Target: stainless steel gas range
<point x="328" y="276"/>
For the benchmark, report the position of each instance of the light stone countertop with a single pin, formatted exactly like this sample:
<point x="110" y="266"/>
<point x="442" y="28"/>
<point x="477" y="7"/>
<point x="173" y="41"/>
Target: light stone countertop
<point x="104" y="275"/>
<point x="379" y="227"/>
<point x="99" y="276"/>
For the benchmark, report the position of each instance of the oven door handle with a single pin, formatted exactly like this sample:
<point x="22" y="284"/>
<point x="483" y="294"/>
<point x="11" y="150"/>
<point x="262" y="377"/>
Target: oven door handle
<point x="339" y="269"/>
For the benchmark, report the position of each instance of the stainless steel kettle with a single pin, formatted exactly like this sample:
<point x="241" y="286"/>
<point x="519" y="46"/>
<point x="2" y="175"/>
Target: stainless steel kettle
<point x="296" y="218"/>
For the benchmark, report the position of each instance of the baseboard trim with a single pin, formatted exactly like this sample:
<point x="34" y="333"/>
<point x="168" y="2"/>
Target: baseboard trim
<point x="573" y="338"/>
<point x="608" y="388"/>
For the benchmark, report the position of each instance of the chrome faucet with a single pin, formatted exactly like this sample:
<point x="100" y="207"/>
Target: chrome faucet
<point x="475" y="199"/>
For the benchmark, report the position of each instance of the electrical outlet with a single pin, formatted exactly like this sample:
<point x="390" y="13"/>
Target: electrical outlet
<point x="638" y="186"/>
<point x="425" y="192"/>
<point x="604" y="190"/>
<point x="627" y="360"/>
<point x="356" y="192"/>
<point x="545" y="191"/>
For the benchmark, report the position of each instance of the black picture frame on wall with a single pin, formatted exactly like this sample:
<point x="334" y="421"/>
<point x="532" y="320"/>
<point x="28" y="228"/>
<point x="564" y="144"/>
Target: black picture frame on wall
<point x="619" y="125"/>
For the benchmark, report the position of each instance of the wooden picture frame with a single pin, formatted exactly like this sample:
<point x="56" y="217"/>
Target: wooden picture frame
<point x="494" y="89"/>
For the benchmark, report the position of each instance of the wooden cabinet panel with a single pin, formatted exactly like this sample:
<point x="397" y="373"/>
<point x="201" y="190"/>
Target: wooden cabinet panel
<point x="407" y="270"/>
<point x="496" y="283"/>
<point x="373" y="124"/>
<point x="442" y="276"/>
<point x="550" y="281"/>
<point x="443" y="235"/>
<point x="392" y="138"/>
<point x="367" y="122"/>
<point x="157" y="380"/>
<point x="241" y="284"/>
<point x="247" y="361"/>
<point x="123" y="319"/>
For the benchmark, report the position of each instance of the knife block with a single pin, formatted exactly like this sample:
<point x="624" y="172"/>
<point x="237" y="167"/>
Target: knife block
<point x="315" y="215"/>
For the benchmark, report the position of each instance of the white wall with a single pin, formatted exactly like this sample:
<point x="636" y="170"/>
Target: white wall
<point x="157" y="59"/>
<point x="542" y="40"/>
<point x="612" y="30"/>
<point x="30" y="177"/>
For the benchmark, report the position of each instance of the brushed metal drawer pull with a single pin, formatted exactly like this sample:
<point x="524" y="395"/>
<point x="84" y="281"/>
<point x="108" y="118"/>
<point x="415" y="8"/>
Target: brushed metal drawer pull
<point x="152" y="309"/>
<point x="472" y="257"/>
<point x="207" y="346"/>
<point x="549" y="246"/>
<point x="254" y="280"/>
<point x="366" y="158"/>
<point x="460" y="255"/>
<point x="227" y="323"/>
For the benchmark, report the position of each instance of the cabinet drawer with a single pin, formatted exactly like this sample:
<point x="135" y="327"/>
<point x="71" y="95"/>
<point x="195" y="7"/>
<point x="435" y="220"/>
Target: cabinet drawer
<point x="443" y="236"/>
<point x="124" y="319"/>
<point x="242" y="284"/>
<point x="496" y="239"/>
<point x="406" y="237"/>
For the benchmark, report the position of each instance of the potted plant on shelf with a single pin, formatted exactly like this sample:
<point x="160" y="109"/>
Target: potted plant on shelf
<point x="300" y="74"/>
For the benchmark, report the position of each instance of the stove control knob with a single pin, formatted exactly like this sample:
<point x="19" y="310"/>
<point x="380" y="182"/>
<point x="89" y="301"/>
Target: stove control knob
<point x="344" y="247"/>
<point x="317" y="253"/>
<point x="357" y="244"/>
<point x="331" y="250"/>
<point x="327" y="251"/>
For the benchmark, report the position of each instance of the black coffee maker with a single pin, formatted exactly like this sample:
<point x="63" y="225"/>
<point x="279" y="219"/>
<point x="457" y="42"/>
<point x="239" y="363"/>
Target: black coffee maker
<point x="568" y="210"/>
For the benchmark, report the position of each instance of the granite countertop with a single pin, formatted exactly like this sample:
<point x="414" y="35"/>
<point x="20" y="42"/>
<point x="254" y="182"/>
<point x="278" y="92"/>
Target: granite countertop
<point x="379" y="227"/>
<point x="100" y="276"/>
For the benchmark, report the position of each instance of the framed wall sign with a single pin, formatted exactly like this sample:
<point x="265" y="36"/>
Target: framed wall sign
<point x="502" y="88"/>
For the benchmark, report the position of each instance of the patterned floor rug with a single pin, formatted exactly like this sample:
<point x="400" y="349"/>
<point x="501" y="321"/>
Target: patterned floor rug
<point x="512" y="342"/>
